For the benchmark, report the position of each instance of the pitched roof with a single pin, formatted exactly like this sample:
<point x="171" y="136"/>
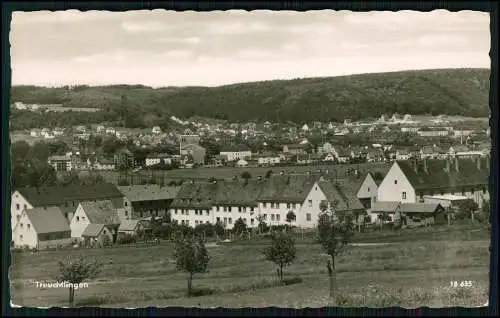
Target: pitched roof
<point x="101" y="212"/>
<point x="288" y="188"/>
<point x="128" y="225"/>
<point x="438" y="178"/>
<point x="385" y="206"/>
<point x="419" y="207"/>
<point x="58" y="195"/>
<point x="342" y="193"/>
<point x="149" y="192"/>
<point x="48" y="220"/>
<point x="93" y="230"/>
<point x="195" y="195"/>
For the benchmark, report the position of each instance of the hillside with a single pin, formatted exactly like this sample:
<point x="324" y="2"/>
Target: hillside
<point x="451" y="91"/>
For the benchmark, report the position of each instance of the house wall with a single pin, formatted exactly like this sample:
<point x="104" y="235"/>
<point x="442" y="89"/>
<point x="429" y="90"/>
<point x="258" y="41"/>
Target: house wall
<point x="17" y="204"/>
<point x="311" y="206"/>
<point x="54" y="243"/>
<point x="79" y="222"/>
<point x="189" y="216"/>
<point x="228" y="215"/>
<point x="24" y="235"/>
<point x="368" y="190"/>
<point x="393" y="186"/>
<point x="235" y="155"/>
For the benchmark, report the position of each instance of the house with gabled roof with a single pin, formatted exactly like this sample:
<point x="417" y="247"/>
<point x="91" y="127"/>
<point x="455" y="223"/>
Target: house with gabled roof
<point x="100" y="212"/>
<point x="41" y="227"/>
<point x="367" y="192"/>
<point x="66" y="198"/>
<point x="409" y="181"/>
<point x="97" y="235"/>
<point x="150" y="200"/>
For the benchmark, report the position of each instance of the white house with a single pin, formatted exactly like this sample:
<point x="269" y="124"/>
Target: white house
<point x="88" y="212"/>
<point x="268" y="160"/>
<point x="408" y="181"/>
<point x="367" y="193"/>
<point x="305" y="128"/>
<point x="156" y="130"/>
<point x="242" y="163"/>
<point x="235" y="154"/>
<point x="110" y="131"/>
<point x="41" y="228"/>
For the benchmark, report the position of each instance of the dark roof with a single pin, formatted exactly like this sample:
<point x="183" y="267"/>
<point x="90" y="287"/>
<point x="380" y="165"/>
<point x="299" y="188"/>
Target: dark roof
<point x="223" y="192"/>
<point x="288" y="188"/>
<point x="92" y="230"/>
<point x="343" y="193"/>
<point x="128" y="225"/>
<point x="385" y="206"/>
<point x="419" y="207"/>
<point x="438" y="178"/>
<point x="48" y="220"/>
<point x="45" y="196"/>
<point x="101" y="212"/>
<point x="149" y="192"/>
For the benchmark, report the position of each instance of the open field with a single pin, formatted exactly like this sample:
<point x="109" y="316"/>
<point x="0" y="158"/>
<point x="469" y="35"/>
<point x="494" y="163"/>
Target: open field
<point x="229" y="172"/>
<point x="406" y="273"/>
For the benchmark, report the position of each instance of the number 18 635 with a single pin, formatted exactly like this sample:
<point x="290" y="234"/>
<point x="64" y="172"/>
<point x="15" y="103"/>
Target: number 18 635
<point x="464" y="283"/>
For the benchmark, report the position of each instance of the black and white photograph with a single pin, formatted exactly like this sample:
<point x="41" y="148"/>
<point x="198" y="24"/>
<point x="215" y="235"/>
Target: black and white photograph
<point x="250" y="159"/>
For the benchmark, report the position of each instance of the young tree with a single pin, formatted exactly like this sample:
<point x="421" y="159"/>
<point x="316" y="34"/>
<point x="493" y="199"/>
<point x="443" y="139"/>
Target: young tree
<point x="334" y="234"/>
<point x="281" y="252"/>
<point x="269" y="173"/>
<point x="192" y="257"/>
<point x="239" y="226"/>
<point x="467" y="208"/>
<point x="246" y="175"/>
<point x="75" y="271"/>
<point x="290" y="217"/>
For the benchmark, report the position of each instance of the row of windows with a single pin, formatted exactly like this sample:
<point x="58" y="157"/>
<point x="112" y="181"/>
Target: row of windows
<point x="276" y="205"/>
<point x="229" y="209"/>
<point x="18" y="206"/>
<point x="186" y="212"/>
<point x="28" y="226"/>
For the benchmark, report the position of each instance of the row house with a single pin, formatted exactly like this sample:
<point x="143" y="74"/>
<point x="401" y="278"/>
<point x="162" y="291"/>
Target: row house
<point x="156" y="159"/>
<point x="145" y="201"/>
<point x="236" y="153"/>
<point x="65" y="198"/>
<point x="61" y="163"/>
<point x="268" y="159"/>
<point x="409" y="181"/>
<point x="433" y="132"/>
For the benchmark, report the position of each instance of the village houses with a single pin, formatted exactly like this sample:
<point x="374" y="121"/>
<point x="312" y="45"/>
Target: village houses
<point x="146" y="201"/>
<point x="235" y="153"/>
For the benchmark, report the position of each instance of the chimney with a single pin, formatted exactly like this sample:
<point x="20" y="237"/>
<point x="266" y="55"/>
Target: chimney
<point x="456" y="165"/>
<point x="425" y="166"/>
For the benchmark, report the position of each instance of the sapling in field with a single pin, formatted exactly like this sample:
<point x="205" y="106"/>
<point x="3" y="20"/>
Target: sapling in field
<point x="281" y="252"/>
<point x="191" y="256"/>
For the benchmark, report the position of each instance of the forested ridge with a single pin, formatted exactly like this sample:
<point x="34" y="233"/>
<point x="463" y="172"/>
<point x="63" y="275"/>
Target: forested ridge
<point x="449" y="91"/>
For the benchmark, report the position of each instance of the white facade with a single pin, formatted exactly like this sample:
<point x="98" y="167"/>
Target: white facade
<point x="236" y="155"/>
<point x="396" y="187"/>
<point x="433" y="133"/>
<point x="308" y="215"/>
<point x="17" y="205"/>
<point x="24" y="234"/>
<point x="79" y="222"/>
<point x="368" y="189"/>
<point x="269" y="160"/>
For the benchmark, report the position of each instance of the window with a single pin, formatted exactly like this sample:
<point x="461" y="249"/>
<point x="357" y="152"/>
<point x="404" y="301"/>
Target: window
<point x="368" y="189"/>
<point x="277" y="206"/>
<point x="21" y="237"/>
<point x="229" y="209"/>
<point x="126" y="213"/>
<point x="484" y="190"/>
<point x="272" y="205"/>
<point x="264" y="205"/>
<point x="218" y="219"/>
<point x="207" y="222"/>
<point x="21" y="225"/>
<point x="251" y="209"/>
<point x="404" y="195"/>
<point x="196" y="212"/>
<point x="310" y="203"/>
<point x="28" y="226"/>
<point x="225" y="209"/>
<point x="265" y="216"/>
<point x="272" y="217"/>
<point x="395" y="181"/>
<point x="288" y="206"/>
<point x="308" y="216"/>
<point x="126" y="203"/>
<point x="208" y="212"/>
<point x="218" y="208"/>
<point x="25" y="207"/>
<point x="17" y="206"/>
<point x="316" y="189"/>
<point x="251" y="221"/>
<point x="18" y="217"/>
<point x="225" y="220"/>
<point x="239" y="209"/>
<point x="176" y="211"/>
<point x="196" y="222"/>
<point x="83" y="218"/>
<point x="277" y="217"/>
<point x="78" y="218"/>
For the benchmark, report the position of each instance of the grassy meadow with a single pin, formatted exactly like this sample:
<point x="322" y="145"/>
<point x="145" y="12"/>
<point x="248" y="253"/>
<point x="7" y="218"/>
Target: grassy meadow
<point x="403" y="272"/>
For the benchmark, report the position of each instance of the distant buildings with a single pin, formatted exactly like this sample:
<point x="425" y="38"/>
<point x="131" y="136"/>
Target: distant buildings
<point x="235" y="153"/>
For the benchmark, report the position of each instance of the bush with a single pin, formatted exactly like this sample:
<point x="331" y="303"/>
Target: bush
<point x="197" y="292"/>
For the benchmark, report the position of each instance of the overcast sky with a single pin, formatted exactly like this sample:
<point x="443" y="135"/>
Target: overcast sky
<point x="168" y="48"/>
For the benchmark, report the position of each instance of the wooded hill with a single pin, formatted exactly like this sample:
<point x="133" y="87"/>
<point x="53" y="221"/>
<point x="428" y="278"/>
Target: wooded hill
<point x="450" y="91"/>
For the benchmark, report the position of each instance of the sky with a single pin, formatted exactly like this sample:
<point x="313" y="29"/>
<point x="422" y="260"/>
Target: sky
<point x="167" y="48"/>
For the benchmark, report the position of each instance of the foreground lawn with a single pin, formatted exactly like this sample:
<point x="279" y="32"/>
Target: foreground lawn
<point x="407" y="274"/>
